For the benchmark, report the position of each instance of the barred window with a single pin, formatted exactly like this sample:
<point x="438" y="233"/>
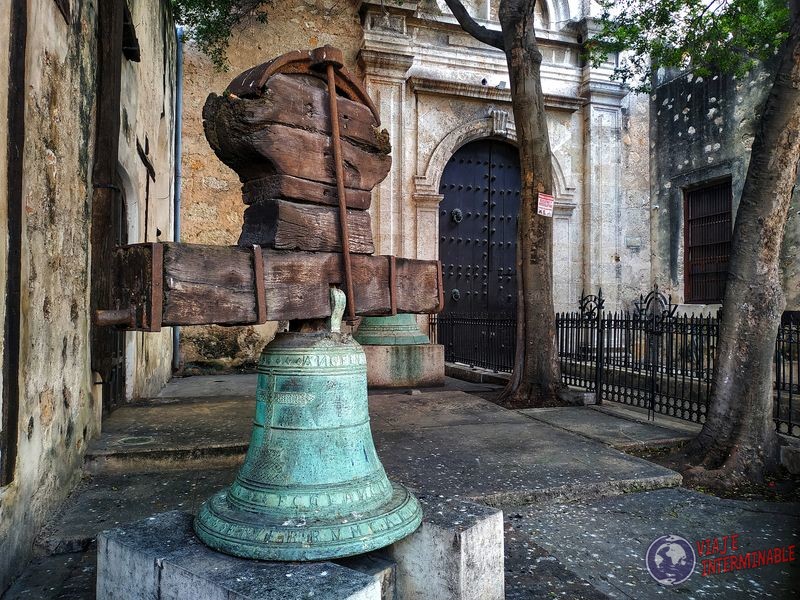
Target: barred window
<point x="707" y="238"/>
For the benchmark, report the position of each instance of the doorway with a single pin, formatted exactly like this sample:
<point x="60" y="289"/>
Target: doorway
<point x="477" y="247"/>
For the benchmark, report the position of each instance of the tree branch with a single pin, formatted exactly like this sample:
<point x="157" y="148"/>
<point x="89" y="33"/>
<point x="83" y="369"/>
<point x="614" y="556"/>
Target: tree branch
<point x="468" y="24"/>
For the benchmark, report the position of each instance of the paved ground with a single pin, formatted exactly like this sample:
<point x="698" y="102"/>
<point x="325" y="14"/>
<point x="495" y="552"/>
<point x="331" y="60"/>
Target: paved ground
<point x="620" y="428"/>
<point x="556" y="474"/>
<point x="604" y="541"/>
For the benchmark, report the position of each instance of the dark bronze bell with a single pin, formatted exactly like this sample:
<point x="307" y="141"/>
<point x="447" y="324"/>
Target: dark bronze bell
<point x="312" y="486"/>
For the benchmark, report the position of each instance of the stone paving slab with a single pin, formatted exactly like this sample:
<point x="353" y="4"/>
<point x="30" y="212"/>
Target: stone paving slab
<point x="640" y="415"/>
<point x="107" y="500"/>
<point x="203" y="386"/>
<point x="398" y="412"/>
<point x="62" y="577"/>
<point x="620" y="433"/>
<point x="441" y="443"/>
<point x="603" y="542"/>
<point x="174" y="432"/>
<point x="511" y="463"/>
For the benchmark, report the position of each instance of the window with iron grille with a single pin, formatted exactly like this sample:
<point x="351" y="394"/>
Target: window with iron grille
<point x="707" y="239"/>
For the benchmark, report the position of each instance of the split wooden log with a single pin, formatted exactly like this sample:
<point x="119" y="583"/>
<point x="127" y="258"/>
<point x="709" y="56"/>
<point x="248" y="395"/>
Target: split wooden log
<point x="203" y="285"/>
<point x="286" y="225"/>
<point x="303" y="190"/>
<point x="287" y="131"/>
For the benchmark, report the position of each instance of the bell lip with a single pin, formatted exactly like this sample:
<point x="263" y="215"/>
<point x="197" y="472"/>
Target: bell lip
<point x="401" y="503"/>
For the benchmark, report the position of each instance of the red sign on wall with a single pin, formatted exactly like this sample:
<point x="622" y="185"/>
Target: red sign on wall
<point x="545" y="205"/>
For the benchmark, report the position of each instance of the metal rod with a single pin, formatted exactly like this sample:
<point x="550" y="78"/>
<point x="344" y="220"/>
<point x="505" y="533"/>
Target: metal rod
<point x="337" y="160"/>
<point x="111" y="317"/>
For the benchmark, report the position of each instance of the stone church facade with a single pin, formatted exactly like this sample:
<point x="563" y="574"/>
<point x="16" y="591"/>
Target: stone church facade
<point x="438" y="90"/>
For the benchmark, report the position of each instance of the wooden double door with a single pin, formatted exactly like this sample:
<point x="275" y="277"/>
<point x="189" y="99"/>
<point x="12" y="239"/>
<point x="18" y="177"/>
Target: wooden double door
<point x="477" y="247"/>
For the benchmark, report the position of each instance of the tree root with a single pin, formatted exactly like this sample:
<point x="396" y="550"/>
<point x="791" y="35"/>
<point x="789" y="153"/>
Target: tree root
<point x="529" y="397"/>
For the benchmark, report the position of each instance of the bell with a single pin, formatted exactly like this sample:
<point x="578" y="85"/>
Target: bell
<point x="311" y="486"/>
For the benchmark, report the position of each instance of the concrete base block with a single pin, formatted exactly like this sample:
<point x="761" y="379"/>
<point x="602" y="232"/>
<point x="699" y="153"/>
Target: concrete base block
<point x="160" y="557"/>
<point x="415" y="365"/>
<point x="457" y="554"/>
<point x="790" y="458"/>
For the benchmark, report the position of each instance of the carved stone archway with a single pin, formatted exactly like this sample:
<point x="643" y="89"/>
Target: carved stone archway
<point x="496" y="124"/>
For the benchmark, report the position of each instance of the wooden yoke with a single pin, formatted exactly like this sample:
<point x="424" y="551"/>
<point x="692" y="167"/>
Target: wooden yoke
<point x="304" y="138"/>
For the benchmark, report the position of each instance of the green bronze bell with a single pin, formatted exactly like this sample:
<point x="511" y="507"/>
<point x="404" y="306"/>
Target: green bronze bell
<point x="312" y="486"/>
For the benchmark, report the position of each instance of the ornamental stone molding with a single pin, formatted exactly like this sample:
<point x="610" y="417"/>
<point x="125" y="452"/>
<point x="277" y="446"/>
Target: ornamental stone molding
<point x="497" y="124"/>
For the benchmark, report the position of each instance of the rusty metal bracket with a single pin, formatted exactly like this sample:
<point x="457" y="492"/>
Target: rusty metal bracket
<point x="393" y="283"/>
<point x="125" y="317"/>
<point x="440" y="284"/>
<point x="261" y="296"/>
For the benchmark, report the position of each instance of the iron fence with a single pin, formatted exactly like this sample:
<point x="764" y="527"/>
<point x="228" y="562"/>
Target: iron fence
<point x="483" y="341"/>
<point x="787" y="376"/>
<point x="651" y="357"/>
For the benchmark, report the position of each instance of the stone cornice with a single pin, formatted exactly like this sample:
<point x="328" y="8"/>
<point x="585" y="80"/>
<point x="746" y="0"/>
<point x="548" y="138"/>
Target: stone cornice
<point x="388" y="6"/>
<point x="607" y="93"/>
<point x="440" y="87"/>
<point x="395" y="62"/>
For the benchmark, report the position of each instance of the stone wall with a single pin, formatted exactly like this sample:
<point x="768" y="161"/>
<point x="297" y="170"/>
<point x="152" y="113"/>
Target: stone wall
<point x="148" y="122"/>
<point x="703" y="129"/>
<point x="60" y="410"/>
<point x="211" y="204"/>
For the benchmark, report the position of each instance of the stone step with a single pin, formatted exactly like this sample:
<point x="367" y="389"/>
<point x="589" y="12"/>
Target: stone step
<point x="174" y="433"/>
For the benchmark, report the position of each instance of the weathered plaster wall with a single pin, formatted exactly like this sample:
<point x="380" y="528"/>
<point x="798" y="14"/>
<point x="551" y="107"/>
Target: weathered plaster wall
<point x="148" y="121"/>
<point x="211" y="204"/>
<point x="58" y="413"/>
<point x="5" y="25"/>
<point x="59" y="409"/>
<point x="703" y="129"/>
<point x="634" y="234"/>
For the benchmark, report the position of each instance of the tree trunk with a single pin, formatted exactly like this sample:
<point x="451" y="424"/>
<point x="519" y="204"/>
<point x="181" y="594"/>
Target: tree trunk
<point x="738" y="440"/>
<point x="536" y="378"/>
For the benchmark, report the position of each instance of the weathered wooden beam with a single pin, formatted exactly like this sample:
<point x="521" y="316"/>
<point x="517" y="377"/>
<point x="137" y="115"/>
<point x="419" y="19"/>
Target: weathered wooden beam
<point x="136" y="287"/>
<point x="298" y="101"/>
<point x="302" y="190"/>
<point x="288" y="132"/>
<point x="280" y="149"/>
<point x="204" y="285"/>
<point x="285" y="225"/>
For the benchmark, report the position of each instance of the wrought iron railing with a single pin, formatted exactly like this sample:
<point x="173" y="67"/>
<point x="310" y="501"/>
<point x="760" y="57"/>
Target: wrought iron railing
<point x="787" y="376"/>
<point x="477" y="341"/>
<point x="650" y="357"/>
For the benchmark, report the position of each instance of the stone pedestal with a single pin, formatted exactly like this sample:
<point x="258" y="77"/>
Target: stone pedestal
<point x="421" y="365"/>
<point x="456" y="554"/>
<point x="161" y="557"/>
<point x="399" y="354"/>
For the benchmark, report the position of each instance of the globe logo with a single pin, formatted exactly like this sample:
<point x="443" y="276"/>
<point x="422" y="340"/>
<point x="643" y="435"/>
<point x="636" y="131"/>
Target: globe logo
<point x="670" y="560"/>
